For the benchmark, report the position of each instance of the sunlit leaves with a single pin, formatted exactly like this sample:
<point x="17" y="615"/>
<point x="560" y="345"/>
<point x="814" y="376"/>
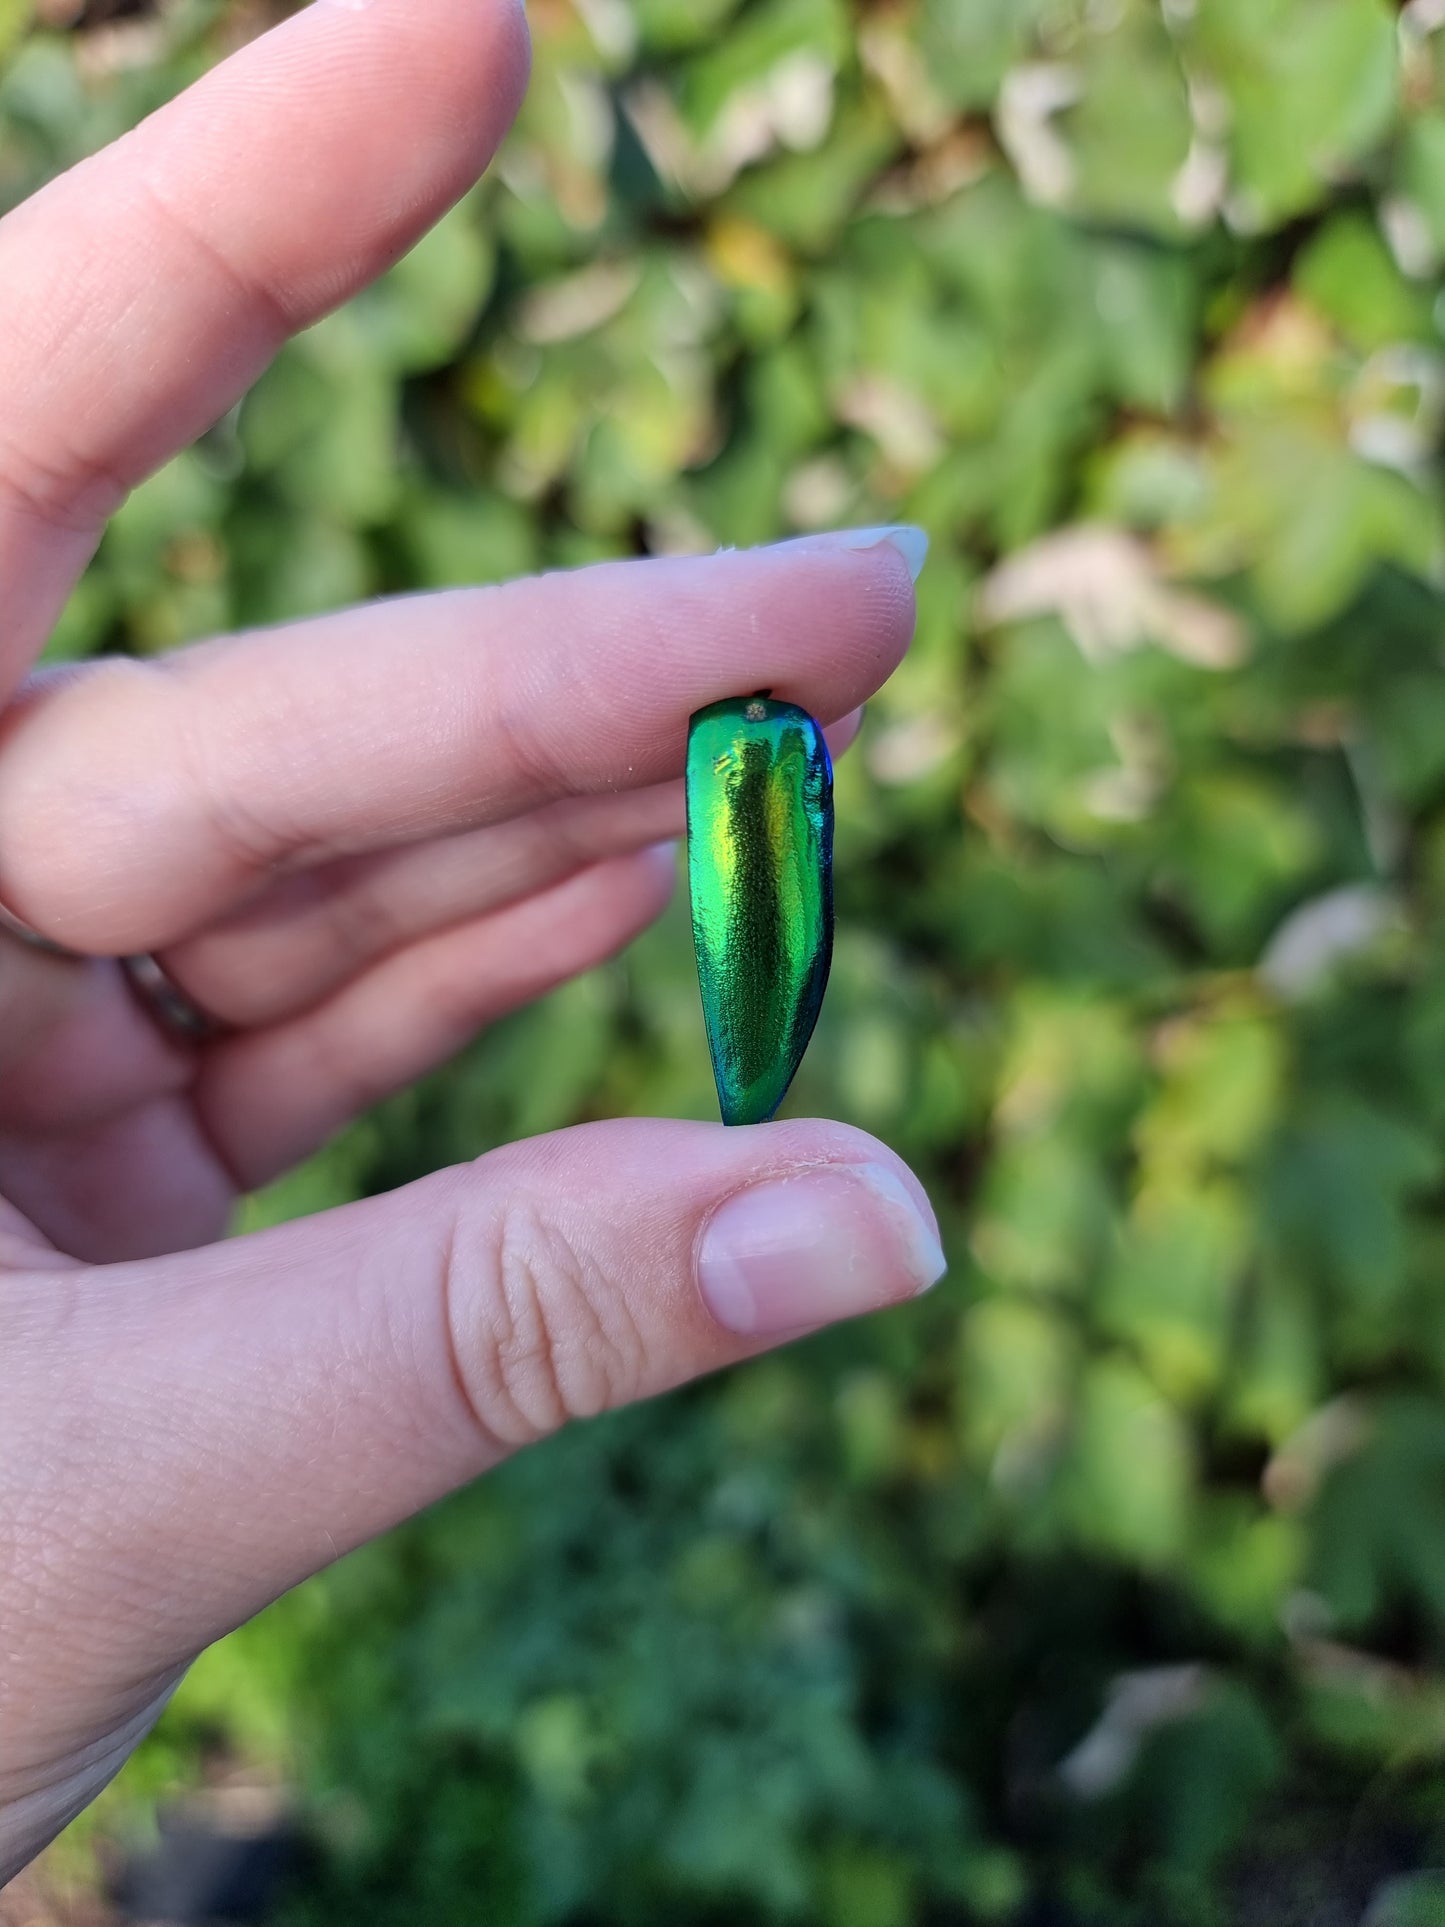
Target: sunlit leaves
<point x="1141" y="866"/>
<point x="14" y="19"/>
<point x="1131" y="1468"/>
<point x="1309" y="87"/>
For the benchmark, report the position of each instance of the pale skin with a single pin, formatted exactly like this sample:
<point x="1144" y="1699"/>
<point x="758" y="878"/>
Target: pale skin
<point x="355" y="840"/>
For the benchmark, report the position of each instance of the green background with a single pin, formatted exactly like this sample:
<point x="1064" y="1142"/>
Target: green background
<point x="1108" y="1584"/>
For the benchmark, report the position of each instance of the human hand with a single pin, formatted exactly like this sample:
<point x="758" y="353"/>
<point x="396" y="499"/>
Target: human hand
<point x="354" y="841"/>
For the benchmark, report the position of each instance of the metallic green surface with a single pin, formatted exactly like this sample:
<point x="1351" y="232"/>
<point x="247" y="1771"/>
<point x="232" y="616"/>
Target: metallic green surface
<point x="760" y="868"/>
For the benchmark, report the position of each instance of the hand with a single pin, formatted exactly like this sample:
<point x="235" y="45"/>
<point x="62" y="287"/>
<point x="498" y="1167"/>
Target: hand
<point x="355" y="841"/>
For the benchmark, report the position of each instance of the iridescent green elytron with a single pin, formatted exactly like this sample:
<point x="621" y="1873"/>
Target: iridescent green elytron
<point x="760" y="865"/>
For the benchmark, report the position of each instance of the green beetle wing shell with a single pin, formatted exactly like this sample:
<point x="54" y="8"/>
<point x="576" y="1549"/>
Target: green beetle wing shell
<point x="760" y="869"/>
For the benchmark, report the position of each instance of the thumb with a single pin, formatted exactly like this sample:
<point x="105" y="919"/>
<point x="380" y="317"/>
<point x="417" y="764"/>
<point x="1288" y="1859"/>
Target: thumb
<point x="214" y="1427"/>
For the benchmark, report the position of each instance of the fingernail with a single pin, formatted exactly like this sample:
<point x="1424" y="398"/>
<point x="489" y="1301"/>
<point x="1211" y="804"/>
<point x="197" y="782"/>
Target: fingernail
<point x="794" y="1253"/>
<point x="910" y="542"/>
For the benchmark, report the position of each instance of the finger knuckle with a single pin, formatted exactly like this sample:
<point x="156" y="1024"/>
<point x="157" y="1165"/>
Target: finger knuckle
<point x="72" y="496"/>
<point x="369" y="920"/>
<point x="542" y="1333"/>
<point x="540" y="767"/>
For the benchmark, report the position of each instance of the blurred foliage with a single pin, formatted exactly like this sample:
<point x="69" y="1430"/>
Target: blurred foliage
<point x="1107" y="1586"/>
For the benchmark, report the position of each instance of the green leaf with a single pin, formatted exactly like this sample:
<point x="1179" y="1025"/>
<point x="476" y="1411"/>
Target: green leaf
<point x="670" y="26"/>
<point x="1221" y="1093"/>
<point x="15" y="17"/>
<point x="969" y="49"/>
<point x="1145" y="299"/>
<point x="1202" y="1780"/>
<point x="1339" y="1185"/>
<point x="1131" y="1469"/>
<point x="1277" y="1375"/>
<point x="1379" y="1527"/>
<point x="769" y="35"/>
<point x="1246" y="1563"/>
<point x="1172" y="1289"/>
<point x="1238" y="849"/>
<point x="1351" y="277"/>
<point x="1130" y="133"/>
<point x="1018" y="1364"/>
<point x="422" y="312"/>
<point x="1416" y="1900"/>
<point x="863" y="1889"/>
<point x="1311" y="87"/>
<point x="1043" y="1213"/>
<point x="1421" y="172"/>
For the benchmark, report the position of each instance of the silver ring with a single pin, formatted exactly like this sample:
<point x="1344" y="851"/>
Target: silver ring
<point x="168" y="1004"/>
<point x="22" y="931"/>
<point x="171" y="1007"/>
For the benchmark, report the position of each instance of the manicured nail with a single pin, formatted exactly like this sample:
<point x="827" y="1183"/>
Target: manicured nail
<point x="794" y="1253"/>
<point x="911" y="543"/>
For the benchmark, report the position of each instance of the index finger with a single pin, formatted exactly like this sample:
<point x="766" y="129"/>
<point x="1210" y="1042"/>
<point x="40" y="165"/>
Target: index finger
<point x="143" y="292"/>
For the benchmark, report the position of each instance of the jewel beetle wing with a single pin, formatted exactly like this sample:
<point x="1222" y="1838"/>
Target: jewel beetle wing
<point x="760" y="872"/>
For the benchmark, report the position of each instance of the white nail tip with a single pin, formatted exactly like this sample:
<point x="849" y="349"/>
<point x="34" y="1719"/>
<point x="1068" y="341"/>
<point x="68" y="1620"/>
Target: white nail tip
<point x="910" y="542"/>
<point x="919" y="1240"/>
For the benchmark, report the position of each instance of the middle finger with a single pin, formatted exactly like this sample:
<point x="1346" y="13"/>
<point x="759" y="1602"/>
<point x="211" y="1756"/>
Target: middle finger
<point x="308" y="934"/>
<point x="140" y="801"/>
<point x="285" y="950"/>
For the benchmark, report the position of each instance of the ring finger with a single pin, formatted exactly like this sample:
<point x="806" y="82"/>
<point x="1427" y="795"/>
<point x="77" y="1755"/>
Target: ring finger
<point x="259" y="1101"/>
<point x="309" y="933"/>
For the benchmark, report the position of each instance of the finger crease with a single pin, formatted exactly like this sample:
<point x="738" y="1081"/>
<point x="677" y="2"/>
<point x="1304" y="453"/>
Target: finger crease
<point x="75" y="502"/>
<point x="368" y="926"/>
<point x="493" y="1445"/>
<point x="543" y="772"/>
<point x="269" y="308"/>
<point x="213" y="1146"/>
<point x="248" y="840"/>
